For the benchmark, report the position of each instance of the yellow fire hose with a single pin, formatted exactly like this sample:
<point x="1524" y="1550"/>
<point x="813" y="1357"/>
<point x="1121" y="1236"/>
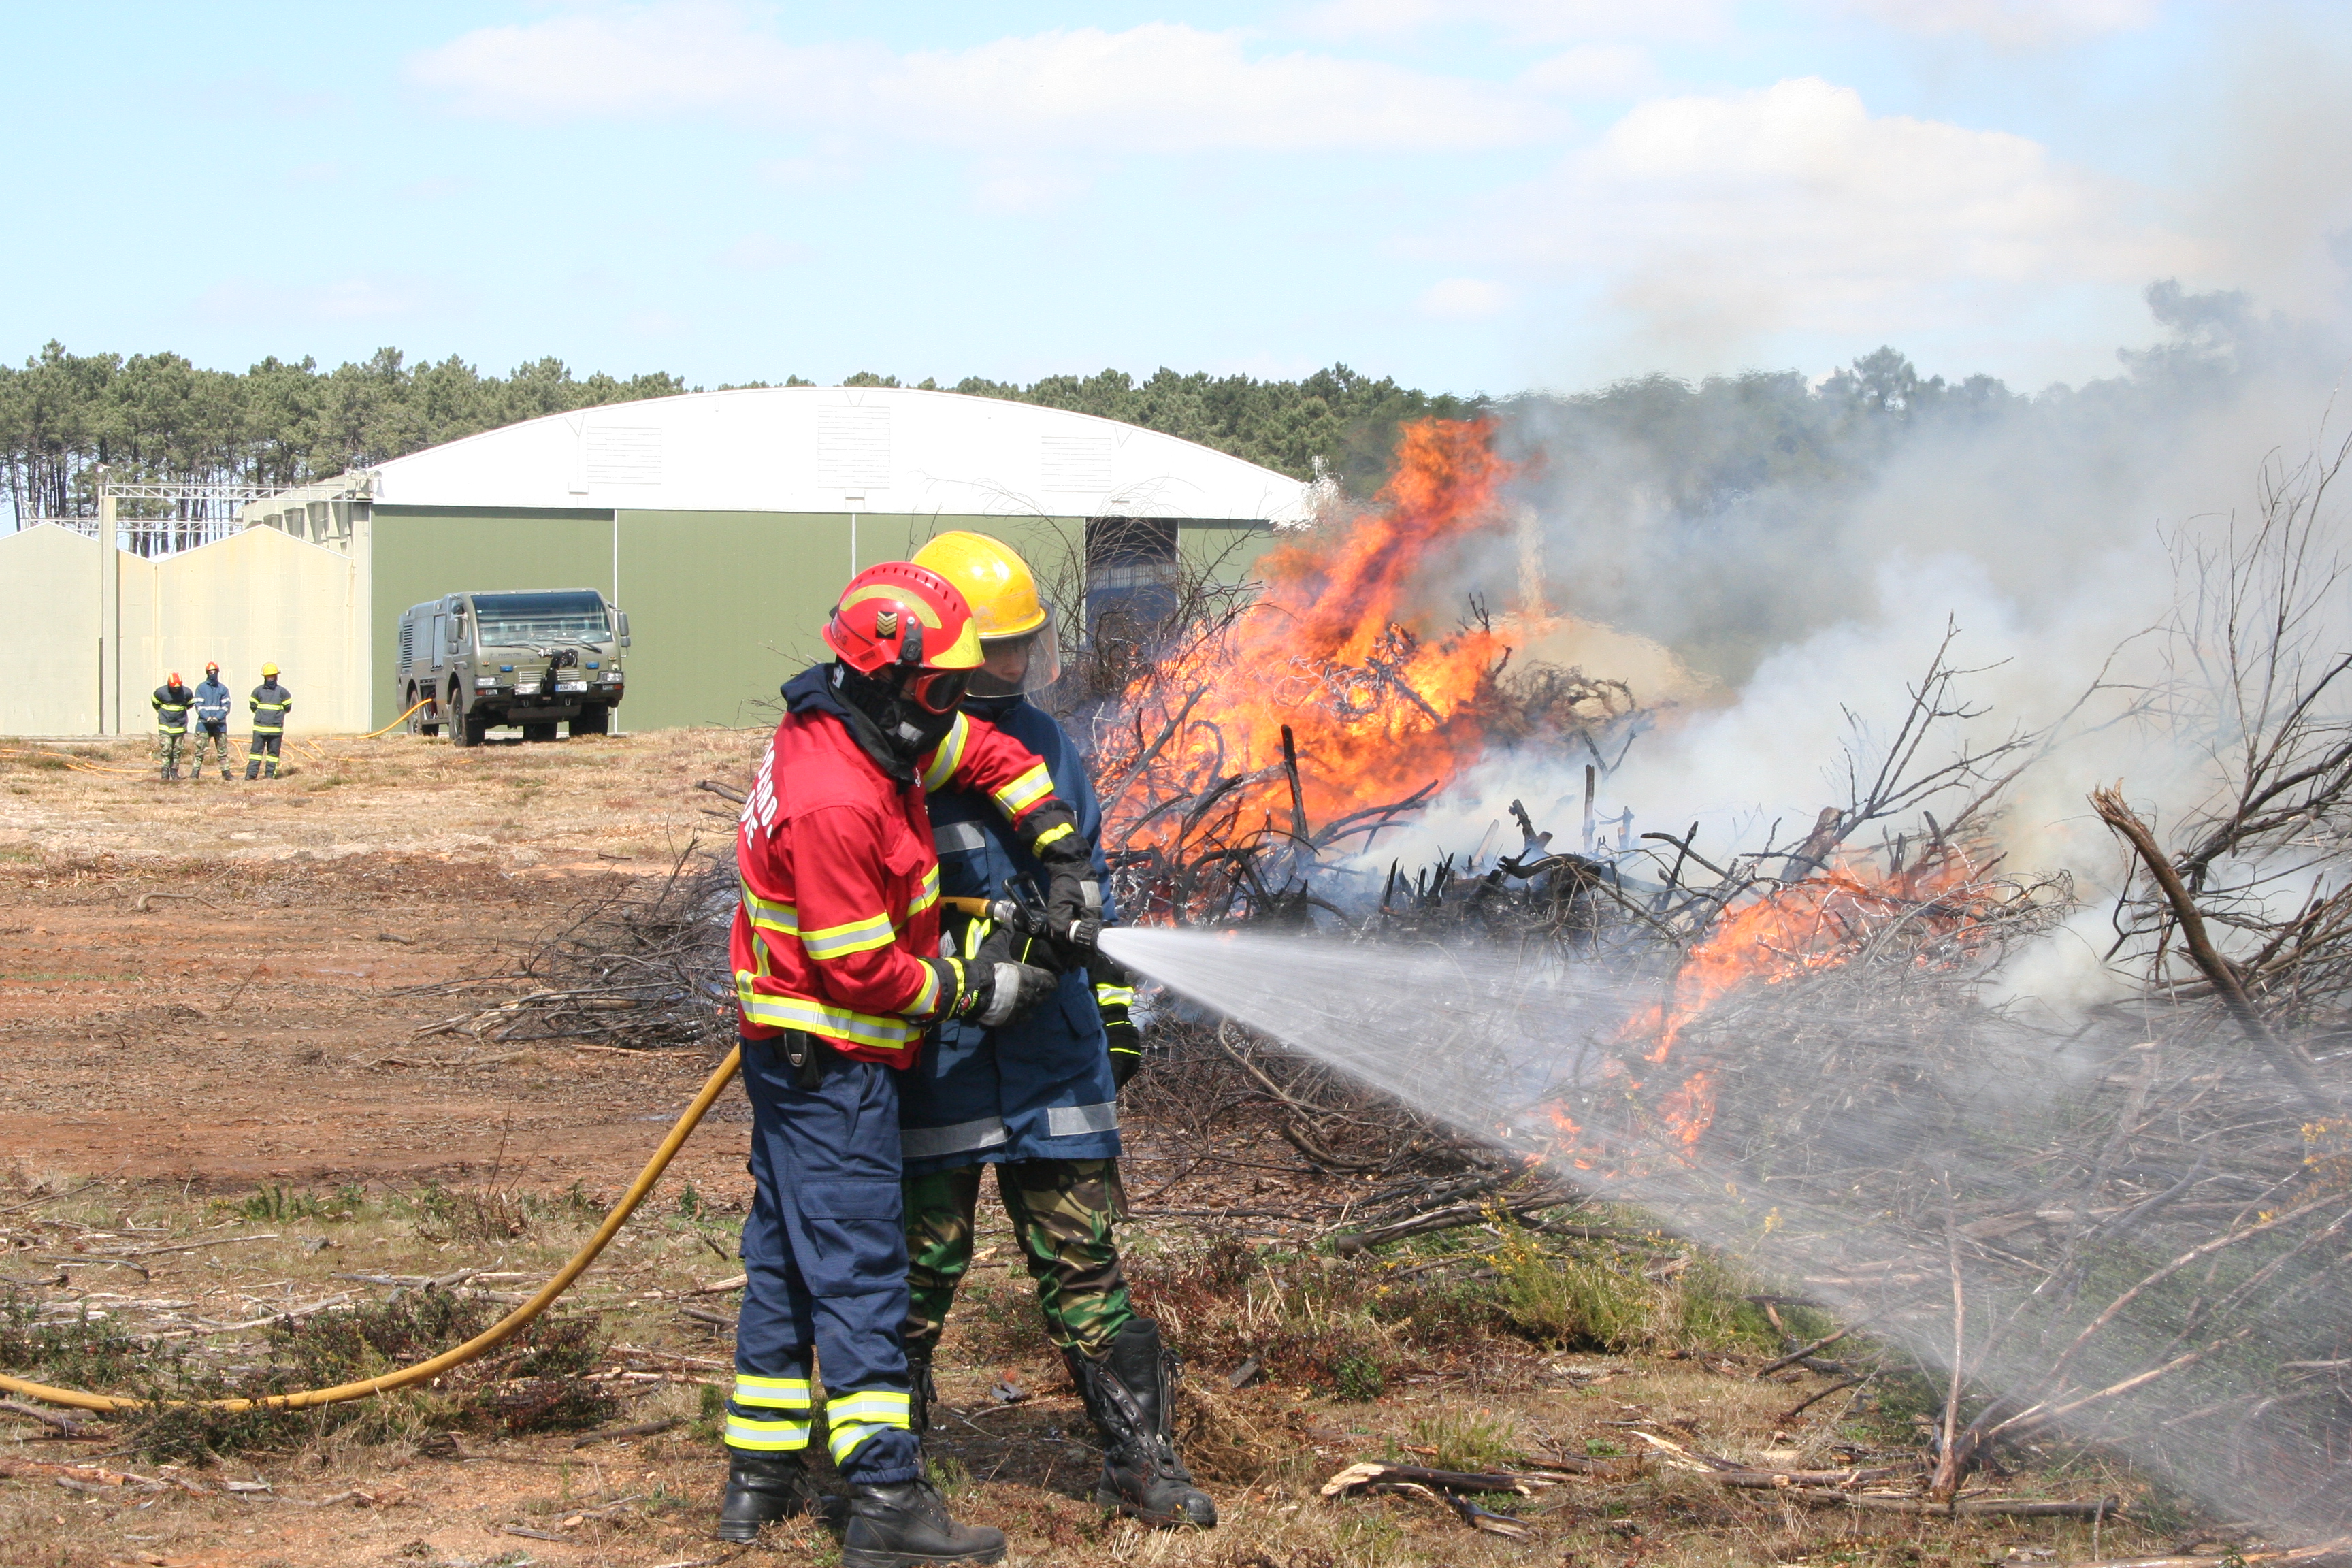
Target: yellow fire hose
<point x="490" y="1339"/>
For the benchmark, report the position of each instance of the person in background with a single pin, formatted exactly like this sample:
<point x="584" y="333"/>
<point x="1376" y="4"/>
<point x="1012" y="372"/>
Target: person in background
<point x="172" y="701"/>
<point x="212" y="723"/>
<point x="1036" y="1096"/>
<point x="269" y="703"/>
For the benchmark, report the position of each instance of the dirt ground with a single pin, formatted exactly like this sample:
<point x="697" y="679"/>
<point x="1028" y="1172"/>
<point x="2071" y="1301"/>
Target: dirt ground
<point x="198" y="1004"/>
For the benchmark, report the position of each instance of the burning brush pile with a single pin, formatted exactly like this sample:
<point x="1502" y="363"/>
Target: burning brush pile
<point x="2130" y="1223"/>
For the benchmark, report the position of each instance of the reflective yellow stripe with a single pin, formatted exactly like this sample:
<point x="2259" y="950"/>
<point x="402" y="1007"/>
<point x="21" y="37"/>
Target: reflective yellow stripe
<point x="1113" y="996"/>
<point x="1026" y="791"/>
<point x="926" y="1000"/>
<point x="769" y="915"/>
<point x="948" y="756"/>
<point x="879" y="1406"/>
<point x="780" y="1393"/>
<point x="930" y="893"/>
<point x="1053" y="834"/>
<point x="818" y="1018"/>
<point x="857" y="936"/>
<point x="771" y="1436"/>
<point x="855" y="1417"/>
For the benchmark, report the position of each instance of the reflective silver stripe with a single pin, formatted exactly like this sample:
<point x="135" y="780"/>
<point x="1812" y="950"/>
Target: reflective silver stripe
<point x="922" y="1143"/>
<point x="951" y="837"/>
<point x="1076" y="1120"/>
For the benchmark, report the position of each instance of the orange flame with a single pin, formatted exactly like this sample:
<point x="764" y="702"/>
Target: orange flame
<point x="1334" y="649"/>
<point x="1821" y="922"/>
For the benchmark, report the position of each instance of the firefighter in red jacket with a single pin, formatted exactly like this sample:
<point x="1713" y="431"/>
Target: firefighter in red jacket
<point x="838" y="974"/>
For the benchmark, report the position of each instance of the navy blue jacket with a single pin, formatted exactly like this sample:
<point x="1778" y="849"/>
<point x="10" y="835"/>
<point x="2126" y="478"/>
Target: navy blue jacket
<point x="212" y="701"/>
<point x="1041" y="1088"/>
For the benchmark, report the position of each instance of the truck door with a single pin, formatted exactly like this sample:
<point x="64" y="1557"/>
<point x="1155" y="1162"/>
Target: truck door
<point x="440" y="643"/>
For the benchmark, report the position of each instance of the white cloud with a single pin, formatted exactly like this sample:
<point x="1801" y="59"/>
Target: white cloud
<point x="1464" y="299"/>
<point x="2010" y="24"/>
<point x="763" y="253"/>
<point x="1535" y="21"/>
<point x="1018" y="185"/>
<point x="1158" y="88"/>
<point x="1717" y="220"/>
<point x="1593" y="70"/>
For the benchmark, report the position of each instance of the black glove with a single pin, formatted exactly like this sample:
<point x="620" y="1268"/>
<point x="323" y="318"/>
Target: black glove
<point x="990" y="985"/>
<point x="1074" y="899"/>
<point x="1114" y="995"/>
<point x="1013" y="992"/>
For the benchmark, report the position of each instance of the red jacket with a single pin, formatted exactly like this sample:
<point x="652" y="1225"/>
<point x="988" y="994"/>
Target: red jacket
<point x="841" y="882"/>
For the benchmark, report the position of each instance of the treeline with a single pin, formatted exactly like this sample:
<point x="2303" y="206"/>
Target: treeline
<point x="1345" y="420"/>
<point x="158" y="418"/>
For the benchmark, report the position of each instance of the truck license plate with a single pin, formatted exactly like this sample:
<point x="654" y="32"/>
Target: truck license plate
<point x="572" y="685"/>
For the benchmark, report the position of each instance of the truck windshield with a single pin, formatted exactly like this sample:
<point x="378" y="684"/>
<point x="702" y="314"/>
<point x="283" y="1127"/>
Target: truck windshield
<point x="511" y="619"/>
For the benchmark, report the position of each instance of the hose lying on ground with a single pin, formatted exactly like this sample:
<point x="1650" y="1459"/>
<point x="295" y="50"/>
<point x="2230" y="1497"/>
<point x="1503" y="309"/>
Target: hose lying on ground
<point x="490" y="1339"/>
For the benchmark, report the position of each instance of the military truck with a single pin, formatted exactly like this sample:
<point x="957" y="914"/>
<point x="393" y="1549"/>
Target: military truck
<point x="537" y="659"/>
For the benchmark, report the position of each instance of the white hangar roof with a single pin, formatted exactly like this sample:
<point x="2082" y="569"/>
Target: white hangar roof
<point x="840" y="448"/>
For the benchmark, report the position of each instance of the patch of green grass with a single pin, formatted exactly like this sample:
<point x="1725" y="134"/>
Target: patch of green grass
<point x="533" y="1383"/>
<point x="1468" y="1440"/>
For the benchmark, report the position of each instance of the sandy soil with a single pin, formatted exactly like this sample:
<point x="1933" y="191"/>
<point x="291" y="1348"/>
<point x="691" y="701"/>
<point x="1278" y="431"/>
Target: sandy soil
<point x="198" y="981"/>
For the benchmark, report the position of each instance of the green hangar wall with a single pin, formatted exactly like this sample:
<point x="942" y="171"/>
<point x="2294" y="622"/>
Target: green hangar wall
<point x="724" y="606"/>
<point x="725" y="524"/>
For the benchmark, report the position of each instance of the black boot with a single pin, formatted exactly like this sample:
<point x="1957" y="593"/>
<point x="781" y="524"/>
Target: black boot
<point x="762" y="1489"/>
<point x="1132" y="1395"/>
<point x="906" y="1523"/>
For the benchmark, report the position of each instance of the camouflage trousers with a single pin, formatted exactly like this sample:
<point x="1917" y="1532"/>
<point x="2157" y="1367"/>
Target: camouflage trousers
<point x="1063" y="1212"/>
<point x="204" y="738"/>
<point x="169" y="744"/>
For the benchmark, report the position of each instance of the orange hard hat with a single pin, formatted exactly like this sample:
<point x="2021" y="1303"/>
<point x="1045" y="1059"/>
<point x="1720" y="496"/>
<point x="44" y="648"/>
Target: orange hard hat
<point x="174" y="680"/>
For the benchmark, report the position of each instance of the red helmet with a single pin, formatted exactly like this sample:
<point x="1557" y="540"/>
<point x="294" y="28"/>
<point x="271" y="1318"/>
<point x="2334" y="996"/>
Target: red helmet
<point x="905" y="616"/>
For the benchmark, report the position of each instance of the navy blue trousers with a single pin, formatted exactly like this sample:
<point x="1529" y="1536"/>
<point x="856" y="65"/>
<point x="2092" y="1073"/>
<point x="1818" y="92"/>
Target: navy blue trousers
<point x="824" y="1258"/>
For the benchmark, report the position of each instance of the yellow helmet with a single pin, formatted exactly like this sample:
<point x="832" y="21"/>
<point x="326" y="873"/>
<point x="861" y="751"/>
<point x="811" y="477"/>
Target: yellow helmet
<point x="1006" y="611"/>
<point x="993" y="579"/>
<point x="268" y="671"/>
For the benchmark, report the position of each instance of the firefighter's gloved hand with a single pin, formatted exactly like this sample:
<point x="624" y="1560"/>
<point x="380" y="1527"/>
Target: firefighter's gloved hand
<point x="1015" y="991"/>
<point x="1073" y="898"/>
<point x="989" y="943"/>
<point x="1125" y="1047"/>
<point x="1114" y="996"/>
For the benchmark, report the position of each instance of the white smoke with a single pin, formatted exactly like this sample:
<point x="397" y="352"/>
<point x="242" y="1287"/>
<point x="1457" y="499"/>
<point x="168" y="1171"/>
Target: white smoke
<point x="2049" y="531"/>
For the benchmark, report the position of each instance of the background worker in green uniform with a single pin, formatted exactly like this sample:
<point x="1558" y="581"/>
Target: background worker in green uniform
<point x="269" y="703"/>
<point x="172" y="701"/>
<point x="1036" y="1098"/>
<point x="212" y="723"/>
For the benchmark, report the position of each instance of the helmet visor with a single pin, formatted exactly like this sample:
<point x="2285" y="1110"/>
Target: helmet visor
<point x="1029" y="662"/>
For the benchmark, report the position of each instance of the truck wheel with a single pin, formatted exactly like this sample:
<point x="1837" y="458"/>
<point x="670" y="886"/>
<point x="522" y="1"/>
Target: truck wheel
<point x="464" y="730"/>
<point x="595" y="718"/>
<point x="422" y="721"/>
<point x="545" y="731"/>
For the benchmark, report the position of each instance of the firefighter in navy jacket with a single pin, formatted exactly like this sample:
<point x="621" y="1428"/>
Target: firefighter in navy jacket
<point x="1036" y="1098"/>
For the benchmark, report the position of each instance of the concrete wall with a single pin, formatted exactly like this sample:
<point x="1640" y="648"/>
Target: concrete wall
<point x="75" y="617"/>
<point x="49" y="632"/>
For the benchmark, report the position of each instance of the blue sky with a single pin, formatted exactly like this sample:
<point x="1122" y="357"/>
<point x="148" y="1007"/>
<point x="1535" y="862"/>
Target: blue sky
<point x="1466" y="195"/>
